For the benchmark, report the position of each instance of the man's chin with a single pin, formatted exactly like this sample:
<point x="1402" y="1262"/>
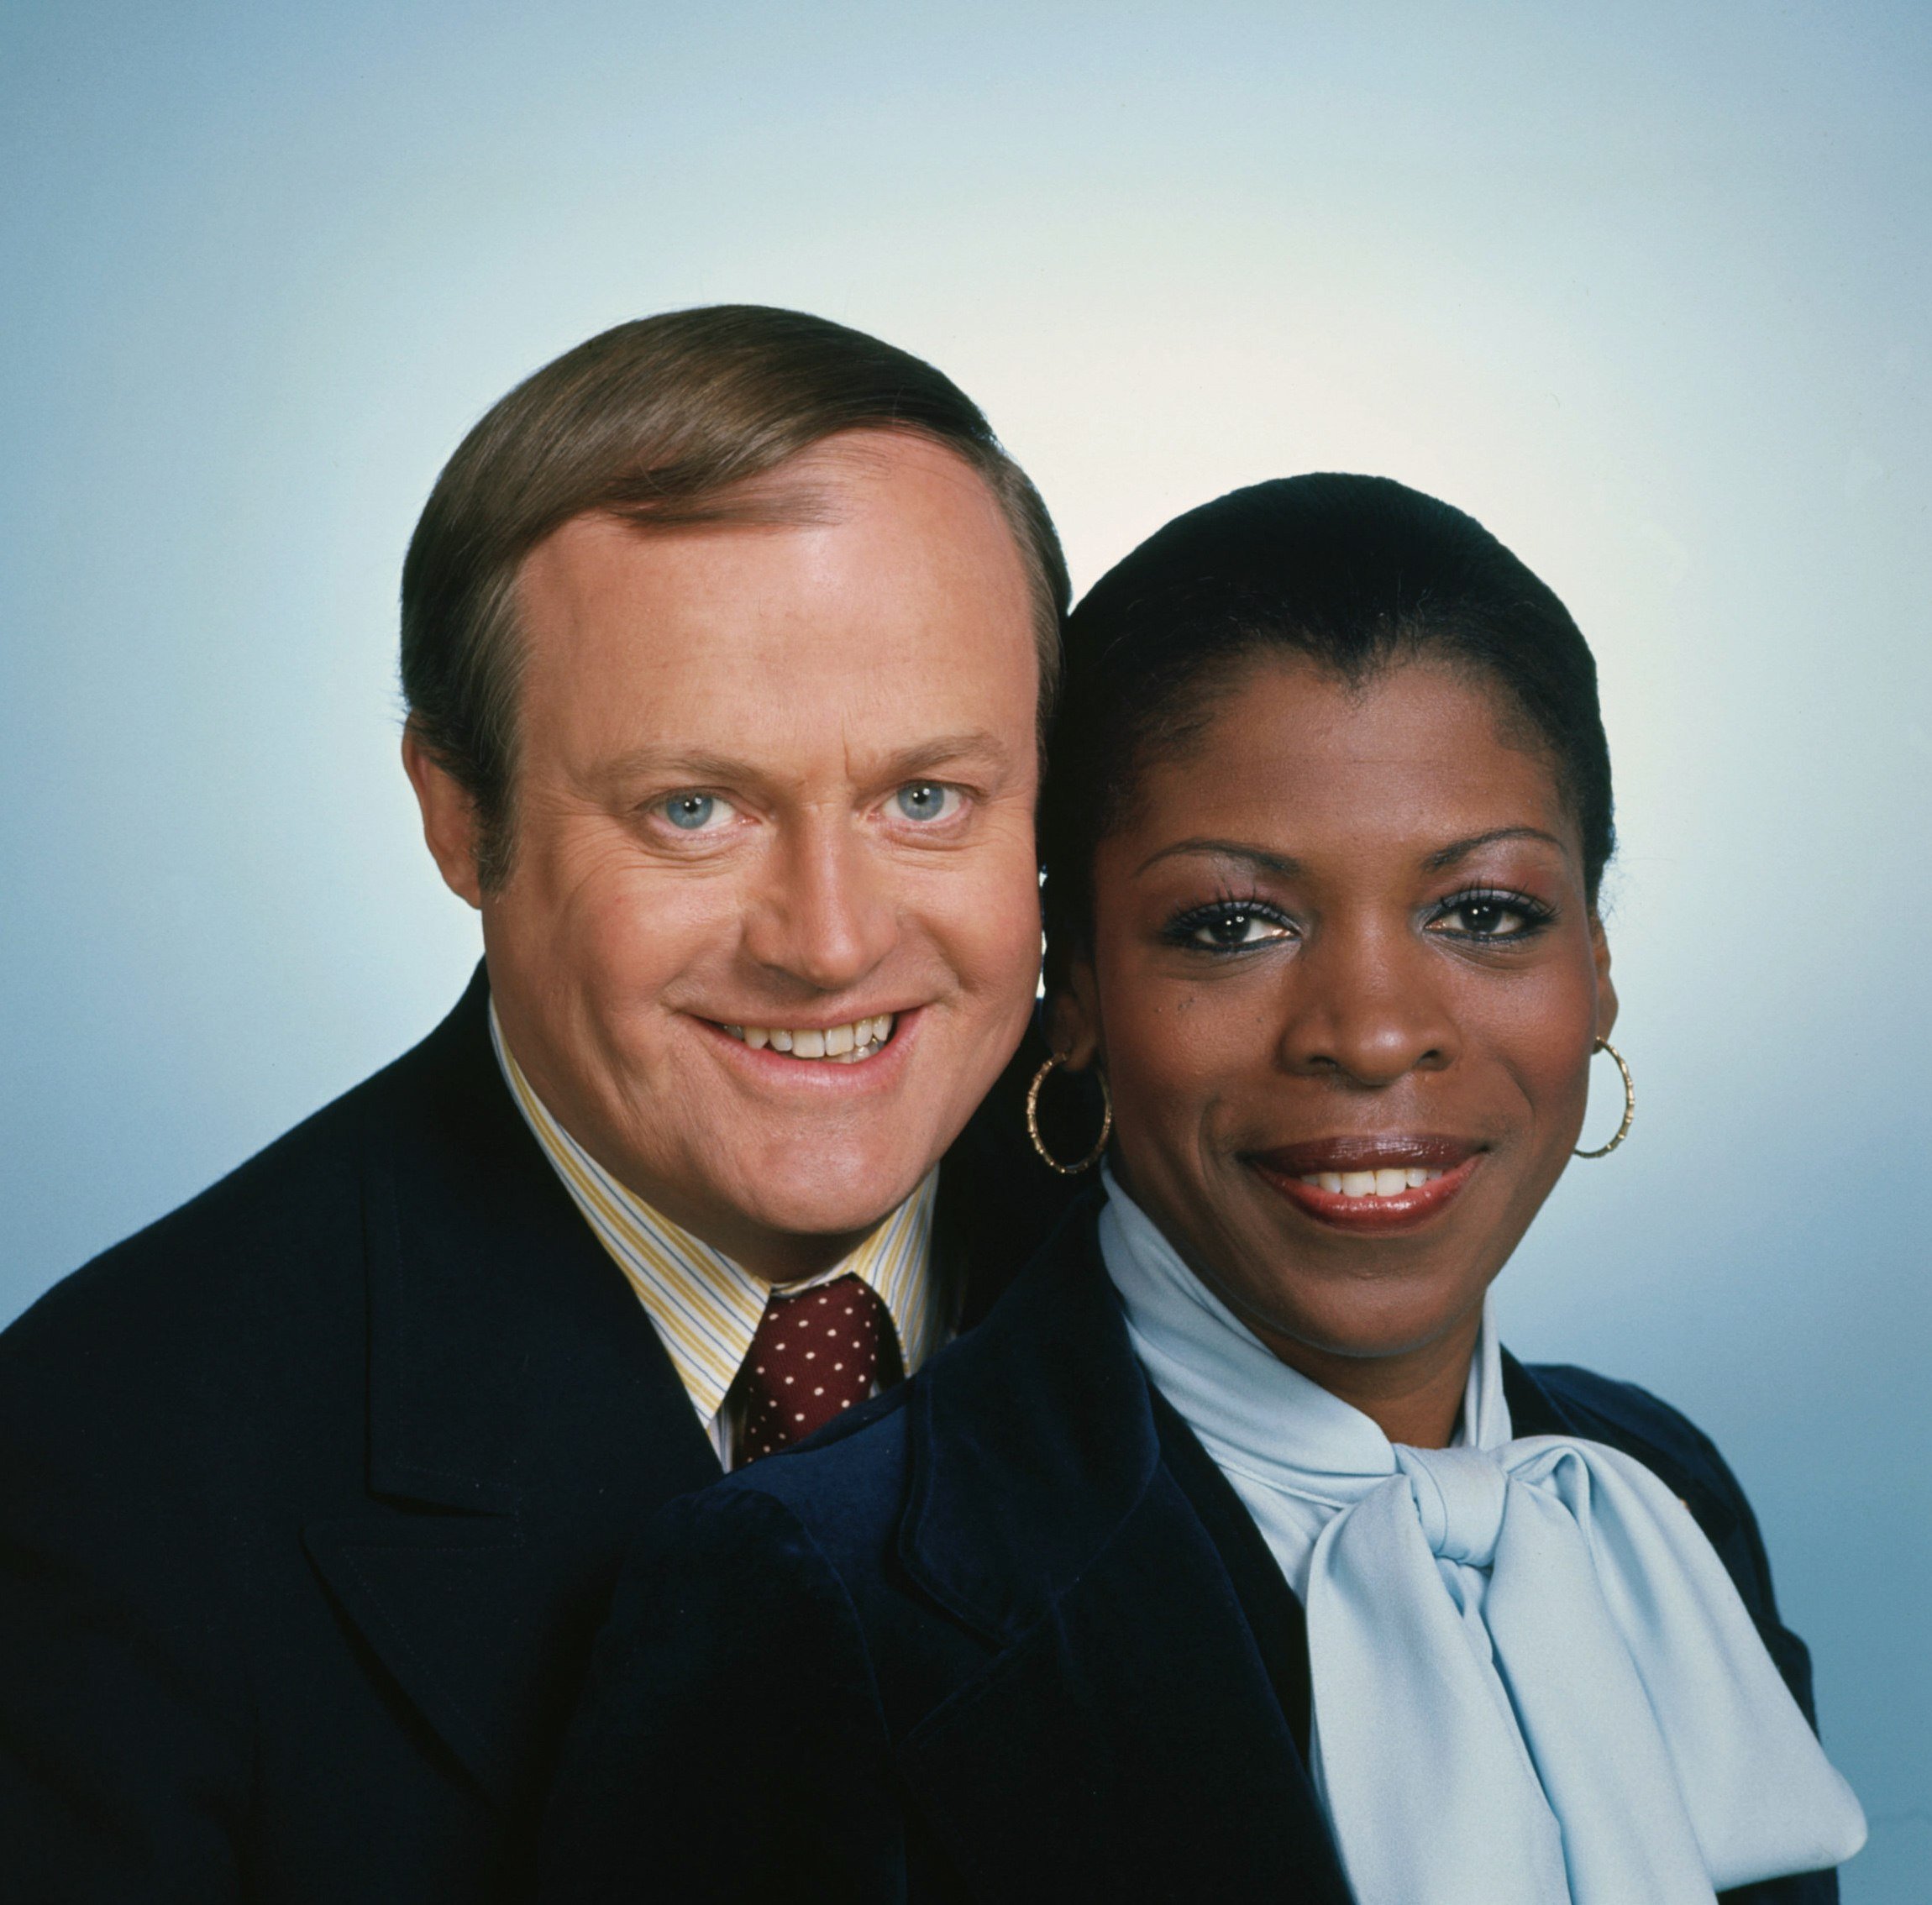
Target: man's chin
<point x="847" y="1203"/>
<point x="806" y="1218"/>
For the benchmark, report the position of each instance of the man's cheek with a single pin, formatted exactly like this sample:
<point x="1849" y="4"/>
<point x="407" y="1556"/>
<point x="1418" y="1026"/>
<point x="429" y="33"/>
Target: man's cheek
<point x="633" y="937"/>
<point x="1009" y="923"/>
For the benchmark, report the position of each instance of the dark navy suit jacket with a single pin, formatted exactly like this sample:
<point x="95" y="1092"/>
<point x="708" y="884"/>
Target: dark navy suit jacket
<point x="1005" y="1635"/>
<point x="312" y="1497"/>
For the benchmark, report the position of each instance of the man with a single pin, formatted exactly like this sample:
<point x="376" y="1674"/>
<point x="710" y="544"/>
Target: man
<point x="726" y="639"/>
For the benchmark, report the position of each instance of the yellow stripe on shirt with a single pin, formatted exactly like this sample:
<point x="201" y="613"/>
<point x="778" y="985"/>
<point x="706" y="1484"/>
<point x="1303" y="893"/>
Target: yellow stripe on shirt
<point x="705" y="1307"/>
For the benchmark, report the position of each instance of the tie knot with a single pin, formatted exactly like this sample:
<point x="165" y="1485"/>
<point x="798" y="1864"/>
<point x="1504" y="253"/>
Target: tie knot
<point x="815" y="1353"/>
<point x="1459" y="1498"/>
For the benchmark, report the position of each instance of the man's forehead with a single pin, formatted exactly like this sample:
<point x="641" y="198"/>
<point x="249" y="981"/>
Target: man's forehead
<point x="875" y="631"/>
<point x="817" y="487"/>
<point x="852" y="517"/>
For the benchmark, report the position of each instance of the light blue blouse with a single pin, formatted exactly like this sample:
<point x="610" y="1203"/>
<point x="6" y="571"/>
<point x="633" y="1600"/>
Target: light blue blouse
<point x="1534" y="1682"/>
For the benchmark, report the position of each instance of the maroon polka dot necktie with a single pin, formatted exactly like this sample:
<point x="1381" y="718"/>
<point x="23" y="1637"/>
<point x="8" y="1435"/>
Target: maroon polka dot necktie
<point x="815" y="1354"/>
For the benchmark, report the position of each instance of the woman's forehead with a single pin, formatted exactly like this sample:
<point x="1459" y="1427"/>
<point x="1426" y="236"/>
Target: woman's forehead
<point x="1418" y="751"/>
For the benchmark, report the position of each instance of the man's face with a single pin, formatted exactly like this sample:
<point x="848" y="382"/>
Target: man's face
<point x="773" y="779"/>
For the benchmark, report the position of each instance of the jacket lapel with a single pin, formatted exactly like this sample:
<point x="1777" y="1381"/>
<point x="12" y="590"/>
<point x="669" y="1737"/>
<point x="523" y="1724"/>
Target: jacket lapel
<point x="522" y="1417"/>
<point x="1275" y="1618"/>
<point x="524" y="1421"/>
<point x="1129" y="1703"/>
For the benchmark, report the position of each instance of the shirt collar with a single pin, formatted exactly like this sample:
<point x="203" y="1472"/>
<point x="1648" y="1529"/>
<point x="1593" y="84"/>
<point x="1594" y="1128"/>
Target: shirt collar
<point x="705" y="1307"/>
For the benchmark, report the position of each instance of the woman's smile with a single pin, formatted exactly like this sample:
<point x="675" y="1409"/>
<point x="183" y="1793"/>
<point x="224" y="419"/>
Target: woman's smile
<point x="1393" y="1182"/>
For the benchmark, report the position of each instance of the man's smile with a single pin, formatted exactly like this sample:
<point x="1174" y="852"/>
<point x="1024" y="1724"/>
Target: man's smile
<point x="849" y="1044"/>
<point x="849" y="1057"/>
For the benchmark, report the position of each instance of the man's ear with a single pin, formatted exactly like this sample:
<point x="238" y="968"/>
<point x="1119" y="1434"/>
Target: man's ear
<point x="1074" y="1017"/>
<point x="449" y="816"/>
<point x="1606" y="992"/>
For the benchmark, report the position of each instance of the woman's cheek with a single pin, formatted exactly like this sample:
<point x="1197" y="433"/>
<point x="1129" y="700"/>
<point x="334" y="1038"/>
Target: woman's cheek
<point x="1545" y="1046"/>
<point x="1176" y="1072"/>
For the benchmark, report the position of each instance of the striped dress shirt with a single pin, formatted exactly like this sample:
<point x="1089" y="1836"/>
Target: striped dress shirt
<point x="706" y="1307"/>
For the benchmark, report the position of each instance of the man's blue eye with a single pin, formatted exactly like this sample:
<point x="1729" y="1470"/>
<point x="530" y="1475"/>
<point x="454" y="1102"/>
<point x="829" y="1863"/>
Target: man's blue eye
<point x="689" y="811"/>
<point x="923" y="799"/>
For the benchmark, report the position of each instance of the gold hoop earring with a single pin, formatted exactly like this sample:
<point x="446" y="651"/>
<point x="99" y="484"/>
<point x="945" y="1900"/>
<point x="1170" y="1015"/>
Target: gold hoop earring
<point x="1630" y="1100"/>
<point x="1093" y="1156"/>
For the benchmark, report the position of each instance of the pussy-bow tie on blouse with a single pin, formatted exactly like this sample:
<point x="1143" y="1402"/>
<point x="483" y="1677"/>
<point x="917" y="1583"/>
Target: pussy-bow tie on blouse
<point x="1534" y="1682"/>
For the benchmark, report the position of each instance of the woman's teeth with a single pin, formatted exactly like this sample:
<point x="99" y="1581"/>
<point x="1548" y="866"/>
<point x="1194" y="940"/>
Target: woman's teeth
<point x="1370" y="1184"/>
<point x="843" y="1045"/>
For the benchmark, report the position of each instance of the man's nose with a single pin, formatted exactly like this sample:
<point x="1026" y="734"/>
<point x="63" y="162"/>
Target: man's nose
<point x="825" y="915"/>
<point x="1365" y="1007"/>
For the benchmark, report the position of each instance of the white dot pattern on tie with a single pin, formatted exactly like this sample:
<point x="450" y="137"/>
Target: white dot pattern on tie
<point x="815" y="1353"/>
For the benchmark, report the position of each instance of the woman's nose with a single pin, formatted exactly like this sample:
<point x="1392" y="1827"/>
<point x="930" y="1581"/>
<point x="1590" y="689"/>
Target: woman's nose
<point x="1361" y="1007"/>
<point x="823" y="916"/>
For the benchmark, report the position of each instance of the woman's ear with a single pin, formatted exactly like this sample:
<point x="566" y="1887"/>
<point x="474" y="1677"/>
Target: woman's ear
<point x="1074" y="1017"/>
<point x="1606" y="991"/>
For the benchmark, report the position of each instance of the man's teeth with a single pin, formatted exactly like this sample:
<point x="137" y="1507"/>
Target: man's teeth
<point x="844" y="1045"/>
<point x="1371" y="1183"/>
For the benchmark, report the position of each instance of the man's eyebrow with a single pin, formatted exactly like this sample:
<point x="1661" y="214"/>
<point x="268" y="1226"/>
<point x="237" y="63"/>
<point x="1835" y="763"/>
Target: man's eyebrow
<point x="1446" y="857"/>
<point x="1260" y="857"/>
<point x="700" y="765"/>
<point x="695" y="764"/>
<point x="923" y="757"/>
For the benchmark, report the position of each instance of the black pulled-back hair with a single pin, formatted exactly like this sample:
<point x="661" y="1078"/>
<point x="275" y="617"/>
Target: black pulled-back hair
<point x="1354" y="574"/>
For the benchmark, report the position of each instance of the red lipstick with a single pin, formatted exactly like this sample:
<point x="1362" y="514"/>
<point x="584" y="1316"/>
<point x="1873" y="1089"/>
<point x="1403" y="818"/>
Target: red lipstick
<point x="1369" y="1183"/>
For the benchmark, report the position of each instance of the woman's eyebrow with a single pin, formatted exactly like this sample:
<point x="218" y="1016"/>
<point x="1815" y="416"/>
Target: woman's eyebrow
<point x="1288" y="867"/>
<point x="1260" y="857"/>
<point x="1446" y="856"/>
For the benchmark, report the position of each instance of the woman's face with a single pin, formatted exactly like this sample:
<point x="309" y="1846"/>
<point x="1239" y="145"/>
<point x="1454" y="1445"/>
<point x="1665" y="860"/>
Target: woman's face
<point x="1344" y="986"/>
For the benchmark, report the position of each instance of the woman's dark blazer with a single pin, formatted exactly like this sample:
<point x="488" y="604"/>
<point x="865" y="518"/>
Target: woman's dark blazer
<point x="1006" y="1634"/>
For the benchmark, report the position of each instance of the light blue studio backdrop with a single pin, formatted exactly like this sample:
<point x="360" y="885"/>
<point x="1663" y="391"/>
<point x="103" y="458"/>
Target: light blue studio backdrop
<point x="1645" y="288"/>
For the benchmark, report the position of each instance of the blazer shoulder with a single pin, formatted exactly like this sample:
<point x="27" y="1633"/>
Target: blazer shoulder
<point x="222" y="1333"/>
<point x="299" y="1195"/>
<point x="252" y="1239"/>
<point x="1673" y="1447"/>
<point x="1644" y="1425"/>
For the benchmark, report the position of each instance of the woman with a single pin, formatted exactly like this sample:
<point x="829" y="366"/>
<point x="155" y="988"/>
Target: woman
<point x="1233" y="1558"/>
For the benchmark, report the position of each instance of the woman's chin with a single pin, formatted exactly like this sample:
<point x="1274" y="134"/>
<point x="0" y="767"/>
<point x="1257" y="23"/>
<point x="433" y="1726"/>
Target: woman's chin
<point x="1350" y="1318"/>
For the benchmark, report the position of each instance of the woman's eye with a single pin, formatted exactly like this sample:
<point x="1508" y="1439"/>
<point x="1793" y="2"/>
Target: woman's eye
<point x="1491" y="915"/>
<point x="693" y="813"/>
<point x="927" y="801"/>
<point x="1228" y="927"/>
